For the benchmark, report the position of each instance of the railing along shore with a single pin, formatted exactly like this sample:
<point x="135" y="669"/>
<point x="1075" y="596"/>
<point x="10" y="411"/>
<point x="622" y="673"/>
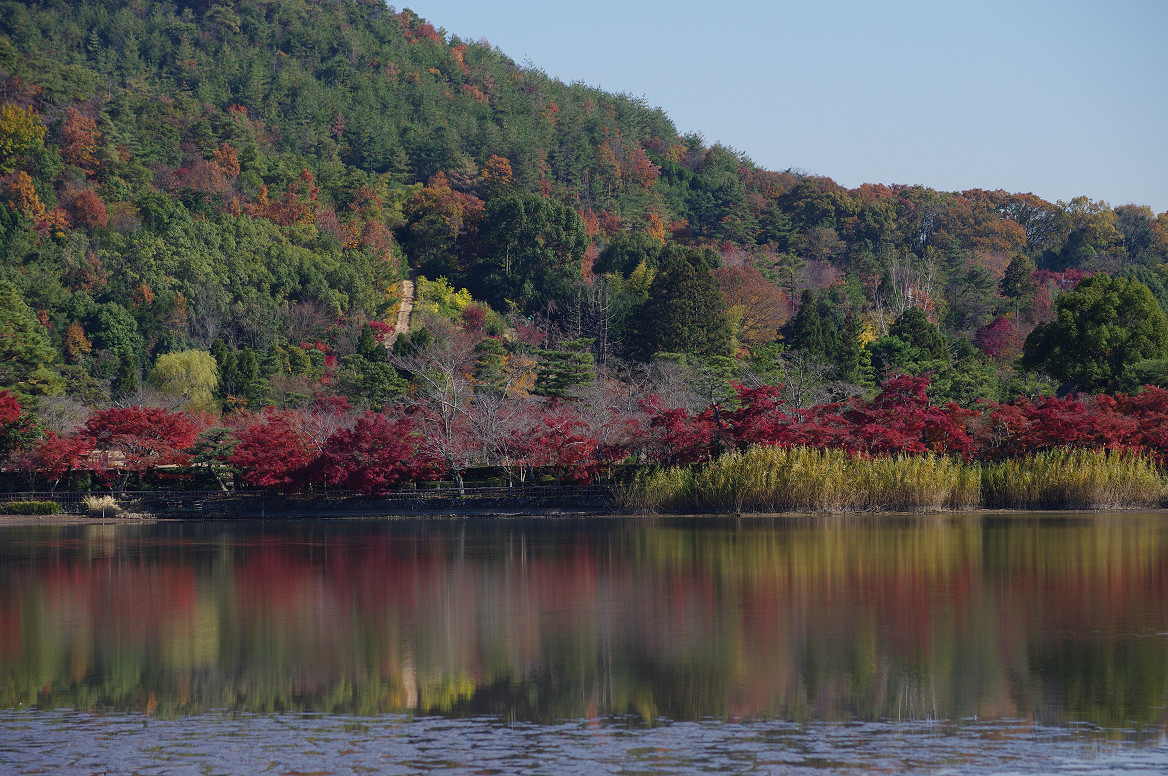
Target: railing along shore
<point x="247" y="503"/>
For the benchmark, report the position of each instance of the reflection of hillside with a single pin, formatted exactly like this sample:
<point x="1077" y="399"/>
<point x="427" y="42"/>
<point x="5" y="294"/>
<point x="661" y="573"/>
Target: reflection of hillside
<point x="827" y="619"/>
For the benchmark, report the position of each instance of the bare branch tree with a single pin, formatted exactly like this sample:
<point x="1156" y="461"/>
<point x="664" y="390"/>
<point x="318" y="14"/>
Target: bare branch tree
<point x="910" y="282"/>
<point x="804" y="379"/>
<point x="62" y="414"/>
<point x="599" y="311"/>
<point x="440" y="373"/>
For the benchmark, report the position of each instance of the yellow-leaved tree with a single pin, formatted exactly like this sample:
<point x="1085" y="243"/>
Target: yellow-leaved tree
<point x="187" y="376"/>
<point x="22" y="137"/>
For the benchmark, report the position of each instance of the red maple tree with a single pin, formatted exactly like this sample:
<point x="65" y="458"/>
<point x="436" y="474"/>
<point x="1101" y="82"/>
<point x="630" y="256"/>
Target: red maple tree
<point x="54" y="457"/>
<point x="376" y="455"/>
<point x="135" y="439"/>
<point x="274" y="450"/>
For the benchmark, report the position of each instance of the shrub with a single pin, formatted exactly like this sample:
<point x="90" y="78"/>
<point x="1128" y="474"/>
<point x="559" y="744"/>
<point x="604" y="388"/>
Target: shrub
<point x="32" y="508"/>
<point x="103" y="506"/>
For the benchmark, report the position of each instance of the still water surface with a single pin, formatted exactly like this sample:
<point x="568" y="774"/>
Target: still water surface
<point x="954" y="645"/>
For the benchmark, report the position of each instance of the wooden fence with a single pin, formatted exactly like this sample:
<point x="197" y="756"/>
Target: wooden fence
<point x="214" y="503"/>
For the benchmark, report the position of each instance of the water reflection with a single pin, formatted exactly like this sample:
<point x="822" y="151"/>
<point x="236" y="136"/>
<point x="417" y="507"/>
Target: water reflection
<point x="1036" y="620"/>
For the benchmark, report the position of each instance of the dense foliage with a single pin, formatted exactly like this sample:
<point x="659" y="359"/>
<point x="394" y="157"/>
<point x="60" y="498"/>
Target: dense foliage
<point x="210" y="210"/>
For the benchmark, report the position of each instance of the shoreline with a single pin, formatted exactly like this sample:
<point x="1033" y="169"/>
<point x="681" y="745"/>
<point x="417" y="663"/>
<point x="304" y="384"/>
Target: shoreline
<point x="68" y="519"/>
<point x="27" y="521"/>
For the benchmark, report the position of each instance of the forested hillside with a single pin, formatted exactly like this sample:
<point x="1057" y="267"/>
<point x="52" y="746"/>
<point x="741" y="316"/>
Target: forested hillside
<point x="210" y="207"/>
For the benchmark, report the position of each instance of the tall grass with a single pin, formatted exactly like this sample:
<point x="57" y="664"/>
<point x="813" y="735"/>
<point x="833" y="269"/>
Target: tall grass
<point x="777" y="479"/>
<point x="1073" y="479"/>
<point x="774" y="479"/>
<point x="103" y="506"/>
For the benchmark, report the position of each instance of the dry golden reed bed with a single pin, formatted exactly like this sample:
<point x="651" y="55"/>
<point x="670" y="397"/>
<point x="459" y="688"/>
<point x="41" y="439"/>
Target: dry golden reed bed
<point x="774" y="479"/>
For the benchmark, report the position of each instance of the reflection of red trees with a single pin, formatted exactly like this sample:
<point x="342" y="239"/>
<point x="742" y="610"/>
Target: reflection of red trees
<point x="128" y="602"/>
<point x="144" y="600"/>
<point x="11" y="631"/>
<point x="272" y="579"/>
<point x="772" y="620"/>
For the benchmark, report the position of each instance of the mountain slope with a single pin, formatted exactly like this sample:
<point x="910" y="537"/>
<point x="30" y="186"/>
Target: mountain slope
<point x="267" y="172"/>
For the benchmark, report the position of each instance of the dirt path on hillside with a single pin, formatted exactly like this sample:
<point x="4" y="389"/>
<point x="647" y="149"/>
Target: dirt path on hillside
<point x="402" y="325"/>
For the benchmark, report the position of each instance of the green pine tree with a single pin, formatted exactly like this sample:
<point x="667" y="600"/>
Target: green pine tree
<point x="685" y="312"/>
<point x="1018" y="281"/>
<point x="490" y="374"/>
<point x="27" y="360"/>
<point x="250" y="383"/>
<point x="925" y="340"/>
<point x="568" y="367"/>
<point x="848" y="352"/>
<point x="805" y="330"/>
<point x="368" y="347"/>
<point x="127" y="380"/>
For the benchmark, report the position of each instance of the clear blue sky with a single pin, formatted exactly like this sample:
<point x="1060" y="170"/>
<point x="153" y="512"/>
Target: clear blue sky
<point x="1058" y="98"/>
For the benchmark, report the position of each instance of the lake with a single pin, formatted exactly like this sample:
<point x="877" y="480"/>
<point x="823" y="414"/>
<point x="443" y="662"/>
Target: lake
<point x="952" y="644"/>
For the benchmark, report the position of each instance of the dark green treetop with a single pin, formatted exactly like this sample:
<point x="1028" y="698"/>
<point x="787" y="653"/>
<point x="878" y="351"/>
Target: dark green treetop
<point x="805" y="329"/>
<point x="1103" y="325"/>
<point x="1018" y="282"/>
<point x="26" y="357"/>
<point x="490" y="373"/>
<point x="685" y="311"/>
<point x="913" y="345"/>
<point x="569" y="366"/>
<point x="533" y="248"/>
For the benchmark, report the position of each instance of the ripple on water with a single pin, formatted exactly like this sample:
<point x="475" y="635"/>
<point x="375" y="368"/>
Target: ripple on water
<point x="81" y="743"/>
